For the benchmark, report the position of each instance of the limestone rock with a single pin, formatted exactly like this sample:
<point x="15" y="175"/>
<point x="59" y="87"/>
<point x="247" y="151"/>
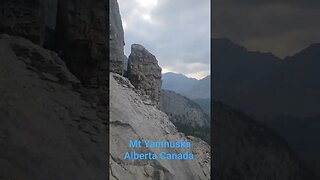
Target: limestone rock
<point x="116" y="38"/>
<point x="145" y="73"/>
<point x="130" y="118"/>
<point x="48" y="130"/>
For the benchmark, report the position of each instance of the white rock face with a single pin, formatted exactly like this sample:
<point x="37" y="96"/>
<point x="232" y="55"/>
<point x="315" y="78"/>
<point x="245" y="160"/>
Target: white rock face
<point x="133" y="118"/>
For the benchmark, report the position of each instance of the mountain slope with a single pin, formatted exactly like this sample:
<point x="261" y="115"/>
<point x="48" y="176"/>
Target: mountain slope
<point x="264" y="86"/>
<point x="185" y="114"/>
<point x="273" y="91"/>
<point x="248" y="150"/>
<point x="131" y="117"/>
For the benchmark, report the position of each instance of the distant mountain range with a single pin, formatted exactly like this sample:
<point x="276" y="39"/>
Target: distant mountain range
<point x="189" y="87"/>
<point x="263" y="85"/>
<point x="282" y="93"/>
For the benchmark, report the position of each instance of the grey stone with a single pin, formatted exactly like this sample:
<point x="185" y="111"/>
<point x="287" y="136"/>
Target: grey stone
<point x="145" y="73"/>
<point x="116" y="39"/>
<point x="48" y="130"/>
<point x="81" y="39"/>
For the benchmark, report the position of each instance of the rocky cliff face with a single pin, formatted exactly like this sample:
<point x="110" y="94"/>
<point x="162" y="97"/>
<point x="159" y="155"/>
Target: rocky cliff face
<point x="81" y="39"/>
<point x="117" y="57"/>
<point x="145" y="73"/>
<point x="132" y="117"/>
<point x="49" y="129"/>
<point x="183" y="110"/>
<point x="76" y="30"/>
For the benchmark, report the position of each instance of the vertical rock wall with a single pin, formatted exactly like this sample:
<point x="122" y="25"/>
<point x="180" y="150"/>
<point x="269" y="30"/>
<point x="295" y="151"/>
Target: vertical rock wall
<point x="116" y="38"/>
<point x="81" y="39"/>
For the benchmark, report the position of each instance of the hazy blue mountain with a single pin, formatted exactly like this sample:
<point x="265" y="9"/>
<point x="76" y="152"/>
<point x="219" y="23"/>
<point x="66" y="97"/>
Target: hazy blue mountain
<point x="189" y="87"/>
<point x="177" y="82"/>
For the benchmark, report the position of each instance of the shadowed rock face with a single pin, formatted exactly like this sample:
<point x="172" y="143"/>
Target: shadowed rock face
<point x="75" y="29"/>
<point x="81" y="39"/>
<point x="49" y="130"/>
<point x="145" y="73"/>
<point x="32" y="19"/>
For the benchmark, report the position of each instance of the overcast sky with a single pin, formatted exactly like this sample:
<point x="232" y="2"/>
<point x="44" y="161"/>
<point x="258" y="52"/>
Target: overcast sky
<point x="177" y="32"/>
<point x="282" y="27"/>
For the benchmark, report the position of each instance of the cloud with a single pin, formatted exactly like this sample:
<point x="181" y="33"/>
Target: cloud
<point x="176" y="32"/>
<point x="282" y="27"/>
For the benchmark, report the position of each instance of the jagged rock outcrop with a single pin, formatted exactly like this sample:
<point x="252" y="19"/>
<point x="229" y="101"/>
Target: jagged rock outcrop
<point x="117" y="57"/>
<point x="75" y="29"/>
<point x="247" y="150"/>
<point x="145" y="73"/>
<point x="131" y="117"/>
<point x="48" y="128"/>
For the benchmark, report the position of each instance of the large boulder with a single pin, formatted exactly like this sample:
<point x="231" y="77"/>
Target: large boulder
<point x="145" y="73"/>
